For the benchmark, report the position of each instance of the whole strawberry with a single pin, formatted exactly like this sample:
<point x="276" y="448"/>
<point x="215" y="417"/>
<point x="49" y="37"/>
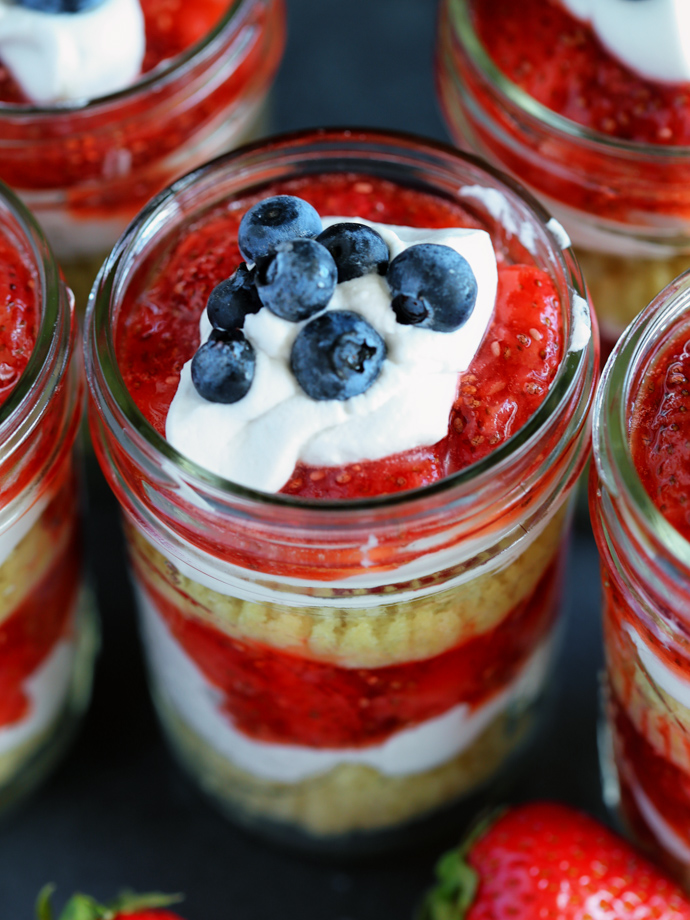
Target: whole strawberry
<point x="127" y="906"/>
<point x="544" y="860"/>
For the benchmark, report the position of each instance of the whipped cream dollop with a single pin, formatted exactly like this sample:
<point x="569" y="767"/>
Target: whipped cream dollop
<point x="61" y="57"/>
<point x="651" y="37"/>
<point x="258" y="440"/>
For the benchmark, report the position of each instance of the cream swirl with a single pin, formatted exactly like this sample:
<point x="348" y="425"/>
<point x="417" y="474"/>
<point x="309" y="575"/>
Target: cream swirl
<point x="61" y="57"/>
<point x="258" y="440"/>
<point x="651" y="37"/>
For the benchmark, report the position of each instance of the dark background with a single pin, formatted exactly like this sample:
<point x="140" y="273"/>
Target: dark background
<point x="118" y="812"/>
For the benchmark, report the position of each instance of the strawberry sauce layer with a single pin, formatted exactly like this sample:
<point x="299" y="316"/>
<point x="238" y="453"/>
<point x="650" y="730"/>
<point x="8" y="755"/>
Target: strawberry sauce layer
<point x="158" y="331"/>
<point x="279" y="697"/>
<point x="171" y="26"/>
<point x="560" y="62"/>
<point x="660" y="432"/>
<point x="664" y="784"/>
<point x="18" y="315"/>
<point x="29" y="634"/>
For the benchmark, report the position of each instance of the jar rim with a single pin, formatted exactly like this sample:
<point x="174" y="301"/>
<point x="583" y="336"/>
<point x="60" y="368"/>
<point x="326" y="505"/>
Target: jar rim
<point x="461" y="22"/>
<point x="36" y="374"/>
<point x="101" y="362"/>
<point x="610" y="433"/>
<point x="178" y="66"/>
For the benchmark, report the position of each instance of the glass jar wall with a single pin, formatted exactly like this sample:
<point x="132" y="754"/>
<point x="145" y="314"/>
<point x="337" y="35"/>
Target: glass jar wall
<point x="640" y="525"/>
<point x="336" y="672"/>
<point x="47" y="624"/>
<point x="624" y="203"/>
<point x="86" y="168"/>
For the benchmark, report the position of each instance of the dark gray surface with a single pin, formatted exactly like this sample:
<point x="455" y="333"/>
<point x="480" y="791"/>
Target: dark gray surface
<point x="117" y="812"/>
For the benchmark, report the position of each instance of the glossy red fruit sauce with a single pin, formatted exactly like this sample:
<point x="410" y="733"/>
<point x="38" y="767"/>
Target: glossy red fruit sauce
<point x="664" y="784"/>
<point x="560" y="62"/>
<point x="158" y="331"/>
<point x="660" y="431"/>
<point x="288" y="697"/>
<point x="31" y="630"/>
<point x="18" y="314"/>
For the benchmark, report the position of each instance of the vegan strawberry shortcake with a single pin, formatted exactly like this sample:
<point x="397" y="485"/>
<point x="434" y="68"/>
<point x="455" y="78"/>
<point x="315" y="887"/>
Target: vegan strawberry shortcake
<point x="346" y="415"/>
<point x="588" y="102"/>
<point x="104" y="102"/>
<point x="639" y="501"/>
<point x="46" y="628"/>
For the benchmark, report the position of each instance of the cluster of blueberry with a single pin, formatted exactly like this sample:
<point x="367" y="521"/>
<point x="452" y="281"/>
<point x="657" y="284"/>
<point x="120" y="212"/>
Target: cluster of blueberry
<point x="296" y="266"/>
<point x="59" y="6"/>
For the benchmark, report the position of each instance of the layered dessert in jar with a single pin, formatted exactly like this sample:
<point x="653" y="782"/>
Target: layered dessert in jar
<point x="639" y="504"/>
<point x="47" y="632"/>
<point x="342" y="407"/>
<point x="588" y="103"/>
<point x="104" y="102"/>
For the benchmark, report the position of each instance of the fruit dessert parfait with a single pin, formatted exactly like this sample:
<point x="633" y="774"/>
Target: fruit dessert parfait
<point x="342" y="407"/>
<point x="588" y="103"/>
<point x="638" y="500"/>
<point x="46" y="625"/>
<point x="104" y="102"/>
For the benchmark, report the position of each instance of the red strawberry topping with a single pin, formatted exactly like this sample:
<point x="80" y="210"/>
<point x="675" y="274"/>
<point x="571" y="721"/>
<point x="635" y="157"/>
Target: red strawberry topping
<point x="18" y="315"/>
<point x="660" y="432"/>
<point x="559" y="61"/>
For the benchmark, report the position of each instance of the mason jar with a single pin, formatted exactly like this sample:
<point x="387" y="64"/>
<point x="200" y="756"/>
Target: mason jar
<point x="47" y="623"/>
<point x="336" y="673"/>
<point x="624" y="204"/>
<point x="645" y="567"/>
<point x="85" y="169"/>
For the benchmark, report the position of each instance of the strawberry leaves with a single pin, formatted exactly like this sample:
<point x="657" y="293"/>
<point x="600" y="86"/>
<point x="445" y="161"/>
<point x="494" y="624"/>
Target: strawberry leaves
<point x="83" y="907"/>
<point x="455" y="891"/>
<point x="457" y="884"/>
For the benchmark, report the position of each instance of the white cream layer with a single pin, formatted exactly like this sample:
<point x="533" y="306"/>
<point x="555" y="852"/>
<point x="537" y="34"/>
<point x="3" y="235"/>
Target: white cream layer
<point x="258" y="440"/>
<point x="670" y="682"/>
<point x="47" y="689"/>
<point x="678" y="688"/>
<point x="62" y="57"/>
<point x="17" y="523"/>
<point x="416" y="750"/>
<point x="651" y="37"/>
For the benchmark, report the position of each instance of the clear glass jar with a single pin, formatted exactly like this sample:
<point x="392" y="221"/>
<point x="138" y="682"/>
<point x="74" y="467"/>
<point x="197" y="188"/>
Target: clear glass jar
<point x="625" y="205"/>
<point x="85" y="170"/>
<point x="335" y="673"/>
<point x="645" y="565"/>
<point x="47" y="622"/>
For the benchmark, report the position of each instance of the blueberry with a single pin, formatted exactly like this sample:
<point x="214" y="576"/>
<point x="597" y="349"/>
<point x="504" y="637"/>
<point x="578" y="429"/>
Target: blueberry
<point x="433" y="287"/>
<point x="298" y="280"/>
<point x="337" y="355"/>
<point x="59" y="6"/>
<point x="273" y="221"/>
<point x="231" y="300"/>
<point x="223" y="368"/>
<point x="357" y="250"/>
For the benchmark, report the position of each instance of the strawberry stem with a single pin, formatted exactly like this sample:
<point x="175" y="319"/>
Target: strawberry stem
<point x="457" y="884"/>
